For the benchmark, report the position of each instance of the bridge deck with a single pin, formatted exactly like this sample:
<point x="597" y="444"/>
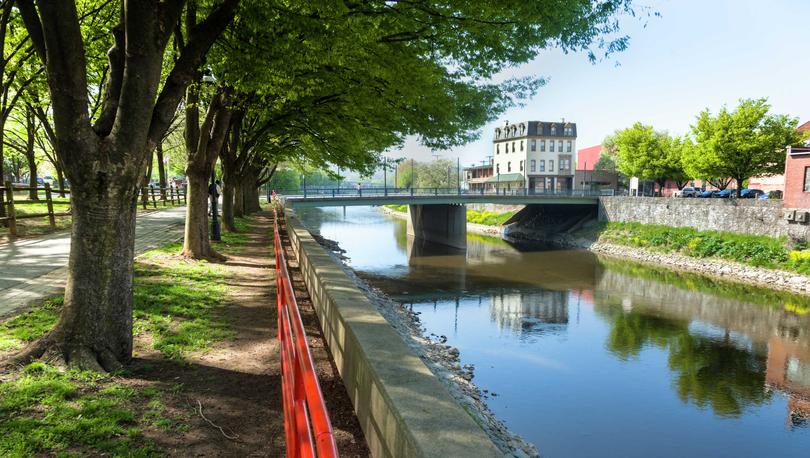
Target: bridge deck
<point x="375" y="197"/>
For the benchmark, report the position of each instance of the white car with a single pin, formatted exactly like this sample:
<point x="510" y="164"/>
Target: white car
<point x="689" y="191"/>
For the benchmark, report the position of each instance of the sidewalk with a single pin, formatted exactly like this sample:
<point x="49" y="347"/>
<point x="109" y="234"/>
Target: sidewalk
<point x="33" y="269"/>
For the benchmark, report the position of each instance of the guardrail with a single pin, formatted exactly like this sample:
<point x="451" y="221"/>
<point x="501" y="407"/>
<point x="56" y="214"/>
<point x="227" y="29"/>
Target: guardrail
<point x="405" y="192"/>
<point x="305" y="411"/>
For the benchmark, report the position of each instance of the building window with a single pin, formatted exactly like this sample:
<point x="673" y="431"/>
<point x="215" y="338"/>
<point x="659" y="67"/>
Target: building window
<point x="521" y="166"/>
<point x="507" y="147"/>
<point x="551" y="165"/>
<point x="534" y="145"/>
<point x="497" y="149"/>
<point x="542" y="165"/>
<point x="521" y="145"/>
<point x="533" y="165"/>
<point x="807" y="179"/>
<point x="542" y="145"/>
<point x="553" y="130"/>
<point x="498" y="169"/>
<point x="569" y="131"/>
<point x="509" y="166"/>
<point x="568" y="146"/>
<point x="551" y="146"/>
<point x="559" y="145"/>
<point x="513" y="147"/>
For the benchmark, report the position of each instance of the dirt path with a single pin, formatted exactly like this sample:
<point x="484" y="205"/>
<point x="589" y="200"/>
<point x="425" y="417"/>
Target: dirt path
<point x="237" y="382"/>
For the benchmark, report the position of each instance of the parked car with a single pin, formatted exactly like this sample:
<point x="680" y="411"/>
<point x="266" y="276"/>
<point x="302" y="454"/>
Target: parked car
<point x="724" y="194"/>
<point x="751" y="193"/>
<point x="706" y="194"/>
<point x="689" y="191"/>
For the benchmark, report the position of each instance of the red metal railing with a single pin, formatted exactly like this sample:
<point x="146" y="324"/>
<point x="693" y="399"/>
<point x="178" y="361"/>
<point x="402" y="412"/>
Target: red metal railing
<point x="305" y="412"/>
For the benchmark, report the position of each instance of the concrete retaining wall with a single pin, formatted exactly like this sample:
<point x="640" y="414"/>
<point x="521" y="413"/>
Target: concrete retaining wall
<point x="403" y="408"/>
<point x="744" y="216"/>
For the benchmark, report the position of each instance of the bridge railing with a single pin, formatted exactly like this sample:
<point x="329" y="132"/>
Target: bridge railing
<point x="414" y="192"/>
<point x="305" y="411"/>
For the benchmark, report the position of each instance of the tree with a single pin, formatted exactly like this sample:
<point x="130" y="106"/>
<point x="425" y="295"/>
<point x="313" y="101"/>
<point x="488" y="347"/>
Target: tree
<point x="739" y="144"/>
<point x="650" y="155"/>
<point x="105" y="158"/>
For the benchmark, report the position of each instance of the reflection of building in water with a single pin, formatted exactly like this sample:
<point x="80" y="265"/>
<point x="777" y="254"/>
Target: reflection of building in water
<point x="524" y="311"/>
<point x="789" y="371"/>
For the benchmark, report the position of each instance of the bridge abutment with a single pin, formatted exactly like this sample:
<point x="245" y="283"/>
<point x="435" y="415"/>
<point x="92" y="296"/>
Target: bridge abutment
<point x="445" y="224"/>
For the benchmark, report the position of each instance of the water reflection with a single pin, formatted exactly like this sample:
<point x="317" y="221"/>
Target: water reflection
<point x="591" y="356"/>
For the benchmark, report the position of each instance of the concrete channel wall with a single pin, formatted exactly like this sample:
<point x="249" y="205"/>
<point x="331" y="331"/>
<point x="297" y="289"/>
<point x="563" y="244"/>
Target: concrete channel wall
<point x="743" y="216"/>
<point x="404" y="410"/>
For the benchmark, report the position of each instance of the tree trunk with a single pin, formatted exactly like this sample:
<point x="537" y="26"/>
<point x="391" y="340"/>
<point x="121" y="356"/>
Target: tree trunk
<point x="60" y="176"/>
<point x="30" y="154"/>
<point x="161" y="170"/>
<point x="252" y="204"/>
<point x="32" y="176"/>
<point x="2" y="169"/>
<point x="196" y="243"/>
<point x="228" y="191"/>
<point x="239" y="200"/>
<point x="95" y="329"/>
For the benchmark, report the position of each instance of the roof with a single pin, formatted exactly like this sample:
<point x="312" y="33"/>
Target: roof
<point x="588" y="157"/>
<point x="537" y="128"/>
<point x="505" y="177"/>
<point x="804" y="127"/>
<point x="479" y="167"/>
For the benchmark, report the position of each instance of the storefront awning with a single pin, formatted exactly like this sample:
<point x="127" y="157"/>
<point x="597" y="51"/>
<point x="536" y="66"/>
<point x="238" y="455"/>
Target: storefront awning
<point x="506" y="178"/>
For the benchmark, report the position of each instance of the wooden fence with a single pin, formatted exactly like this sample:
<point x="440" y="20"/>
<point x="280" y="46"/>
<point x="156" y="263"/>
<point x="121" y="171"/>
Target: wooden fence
<point x="171" y="194"/>
<point x="8" y="202"/>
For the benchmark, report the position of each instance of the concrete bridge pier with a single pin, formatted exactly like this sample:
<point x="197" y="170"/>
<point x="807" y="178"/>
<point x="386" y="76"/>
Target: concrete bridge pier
<point x="445" y="224"/>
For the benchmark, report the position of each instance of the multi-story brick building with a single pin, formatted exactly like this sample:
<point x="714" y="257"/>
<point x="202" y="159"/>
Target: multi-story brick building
<point x="476" y="177"/>
<point x="534" y="155"/>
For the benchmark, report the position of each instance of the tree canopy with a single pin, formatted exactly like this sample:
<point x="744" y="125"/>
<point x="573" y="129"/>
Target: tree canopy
<point x="650" y="155"/>
<point x="741" y="143"/>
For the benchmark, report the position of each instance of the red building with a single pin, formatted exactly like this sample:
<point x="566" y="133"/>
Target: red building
<point x="588" y="157"/>
<point x="797" y="178"/>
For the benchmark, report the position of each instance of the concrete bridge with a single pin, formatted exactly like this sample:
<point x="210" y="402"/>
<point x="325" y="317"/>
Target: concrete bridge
<point x="438" y="215"/>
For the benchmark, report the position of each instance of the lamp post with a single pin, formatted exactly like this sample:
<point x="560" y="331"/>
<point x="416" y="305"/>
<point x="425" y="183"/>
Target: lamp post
<point x="215" y="231"/>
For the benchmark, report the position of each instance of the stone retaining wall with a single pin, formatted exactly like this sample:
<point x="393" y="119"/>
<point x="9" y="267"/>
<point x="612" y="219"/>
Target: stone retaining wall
<point x="744" y="216"/>
<point x="403" y="408"/>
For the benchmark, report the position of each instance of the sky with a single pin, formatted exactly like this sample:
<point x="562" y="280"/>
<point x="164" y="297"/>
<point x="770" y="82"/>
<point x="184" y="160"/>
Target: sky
<point x="696" y="55"/>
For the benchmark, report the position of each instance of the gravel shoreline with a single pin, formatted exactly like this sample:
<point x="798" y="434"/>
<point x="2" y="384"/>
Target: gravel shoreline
<point x="442" y="359"/>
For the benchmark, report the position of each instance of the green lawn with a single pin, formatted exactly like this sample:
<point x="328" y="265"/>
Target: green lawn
<point x="45" y="410"/>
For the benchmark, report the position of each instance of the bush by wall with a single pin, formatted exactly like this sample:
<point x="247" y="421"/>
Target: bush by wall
<point x="755" y="250"/>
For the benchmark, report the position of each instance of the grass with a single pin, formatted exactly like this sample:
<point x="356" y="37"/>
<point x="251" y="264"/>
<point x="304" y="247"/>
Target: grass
<point x="488" y="218"/>
<point x="473" y="216"/>
<point x="45" y="410"/>
<point x="30" y="325"/>
<point x="69" y="413"/>
<point x="754" y="250"/>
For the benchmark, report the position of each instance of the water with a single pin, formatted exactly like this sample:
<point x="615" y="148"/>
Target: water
<point x="586" y="356"/>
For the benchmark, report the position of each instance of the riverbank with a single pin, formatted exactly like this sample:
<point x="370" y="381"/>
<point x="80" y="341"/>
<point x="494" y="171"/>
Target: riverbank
<point x="591" y="238"/>
<point x="471" y="227"/>
<point x="755" y="260"/>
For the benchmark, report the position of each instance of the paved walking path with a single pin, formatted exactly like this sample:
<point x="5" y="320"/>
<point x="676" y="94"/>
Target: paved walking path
<point x="32" y="269"/>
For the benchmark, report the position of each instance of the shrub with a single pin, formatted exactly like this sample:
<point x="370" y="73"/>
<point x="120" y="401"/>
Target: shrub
<point x="754" y="250"/>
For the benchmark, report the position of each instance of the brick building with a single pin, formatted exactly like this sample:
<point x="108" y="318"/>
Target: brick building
<point x="797" y="177"/>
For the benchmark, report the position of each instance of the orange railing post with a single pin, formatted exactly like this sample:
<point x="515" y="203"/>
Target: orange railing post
<point x="305" y="413"/>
